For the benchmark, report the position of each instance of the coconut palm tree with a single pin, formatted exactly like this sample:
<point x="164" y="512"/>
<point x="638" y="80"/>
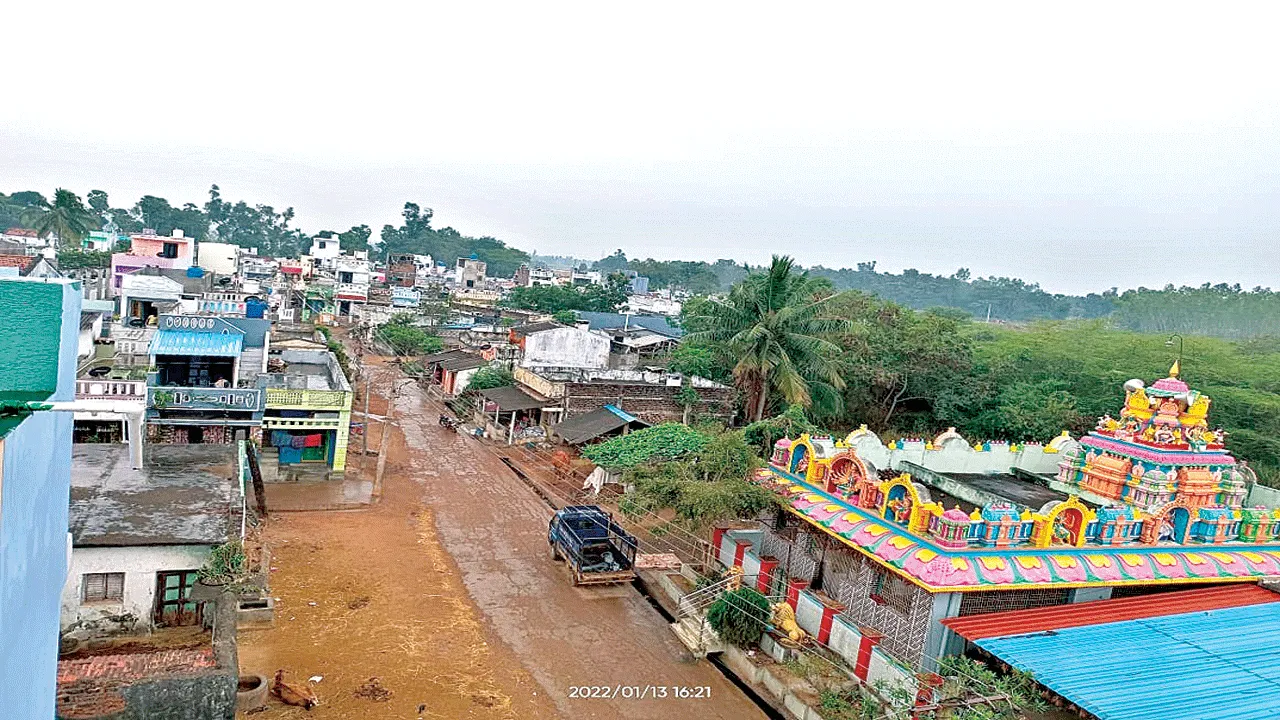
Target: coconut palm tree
<point x="67" y="218"/>
<point x="776" y="325"/>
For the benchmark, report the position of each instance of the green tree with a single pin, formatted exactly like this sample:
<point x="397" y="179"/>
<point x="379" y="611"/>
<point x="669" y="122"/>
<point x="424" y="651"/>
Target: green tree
<point x="565" y="317"/>
<point x="778" y="326"/>
<point x="493" y="376"/>
<point x="357" y="238"/>
<point x="66" y="217"/>
<point x="404" y="338"/>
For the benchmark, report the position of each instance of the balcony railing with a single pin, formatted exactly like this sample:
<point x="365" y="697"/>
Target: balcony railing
<point x="287" y="398"/>
<point x="188" y="398"/>
<point x="352" y="289"/>
<point x="111" y="390"/>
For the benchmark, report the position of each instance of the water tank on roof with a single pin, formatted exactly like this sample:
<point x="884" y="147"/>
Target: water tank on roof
<point x="254" y="308"/>
<point x="195" y="271"/>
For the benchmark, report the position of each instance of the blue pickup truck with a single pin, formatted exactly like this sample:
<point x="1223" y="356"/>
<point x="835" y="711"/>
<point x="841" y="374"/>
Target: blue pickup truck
<point x="597" y="549"/>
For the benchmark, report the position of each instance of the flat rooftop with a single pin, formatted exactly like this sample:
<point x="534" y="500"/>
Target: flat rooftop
<point x="184" y="495"/>
<point x="1010" y="487"/>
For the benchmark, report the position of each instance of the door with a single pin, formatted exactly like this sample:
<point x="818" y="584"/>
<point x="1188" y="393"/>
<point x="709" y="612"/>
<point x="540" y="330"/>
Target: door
<point x="173" y="606"/>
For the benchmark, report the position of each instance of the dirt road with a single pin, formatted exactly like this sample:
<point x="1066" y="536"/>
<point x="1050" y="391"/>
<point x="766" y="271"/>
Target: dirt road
<point x="494" y="527"/>
<point x="372" y="594"/>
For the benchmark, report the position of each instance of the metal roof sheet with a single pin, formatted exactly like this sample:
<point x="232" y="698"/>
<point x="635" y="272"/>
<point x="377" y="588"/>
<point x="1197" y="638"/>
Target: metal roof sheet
<point x="188" y="342"/>
<point x="511" y="398"/>
<point x="1057" y="617"/>
<point x="1217" y="664"/>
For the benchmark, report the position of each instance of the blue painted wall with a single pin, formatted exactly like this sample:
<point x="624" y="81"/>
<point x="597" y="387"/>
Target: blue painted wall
<point x="34" y="495"/>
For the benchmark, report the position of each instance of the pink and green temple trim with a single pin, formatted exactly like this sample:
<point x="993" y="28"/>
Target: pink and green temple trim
<point x="1175" y="512"/>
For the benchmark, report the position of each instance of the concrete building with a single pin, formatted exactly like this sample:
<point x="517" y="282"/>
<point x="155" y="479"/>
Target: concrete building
<point x="550" y="344"/>
<point x="39" y="347"/>
<point x="146" y="249"/>
<point x="209" y="381"/>
<point x="308" y="415"/>
<point x="469" y="273"/>
<point x="325" y="250"/>
<point x="100" y="241"/>
<point x="354" y="274"/>
<point x="135" y="552"/>
<point x="218" y="258"/>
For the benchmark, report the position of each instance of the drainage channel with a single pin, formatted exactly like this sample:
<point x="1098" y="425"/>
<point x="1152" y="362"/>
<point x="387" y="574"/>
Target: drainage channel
<point x="770" y="711"/>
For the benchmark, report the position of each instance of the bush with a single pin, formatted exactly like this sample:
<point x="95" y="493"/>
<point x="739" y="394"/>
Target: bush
<point x="406" y="339"/>
<point x="490" y="377"/>
<point x="666" y="441"/>
<point x="226" y="564"/>
<point x="739" y="616"/>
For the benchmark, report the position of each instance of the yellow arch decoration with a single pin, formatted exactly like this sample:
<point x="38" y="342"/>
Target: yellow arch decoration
<point x="1042" y="533"/>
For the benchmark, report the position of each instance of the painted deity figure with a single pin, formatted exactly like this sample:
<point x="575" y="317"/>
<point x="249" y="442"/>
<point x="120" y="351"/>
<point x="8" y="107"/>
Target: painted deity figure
<point x="803" y="465"/>
<point x="900" y="509"/>
<point x="1164" y="435"/>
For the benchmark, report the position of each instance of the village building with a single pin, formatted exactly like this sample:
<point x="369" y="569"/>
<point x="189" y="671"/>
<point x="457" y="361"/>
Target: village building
<point x="597" y="426"/>
<point x="147" y="249"/>
<point x="325" y="250"/>
<point x="307" y="419"/>
<point x="353" y="275"/>
<point x="653" y="396"/>
<point x="883" y="564"/>
<point x="135" y="551"/>
<point x="209" y="381"/>
<point x="218" y="258"/>
<point x="550" y="344"/>
<point x="447" y="373"/>
<point x="469" y="273"/>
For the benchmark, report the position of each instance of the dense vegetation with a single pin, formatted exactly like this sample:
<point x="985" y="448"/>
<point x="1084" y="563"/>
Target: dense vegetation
<point x="405" y="338"/>
<point x="555" y="299"/>
<point x="908" y="372"/>
<point x="416" y="236"/>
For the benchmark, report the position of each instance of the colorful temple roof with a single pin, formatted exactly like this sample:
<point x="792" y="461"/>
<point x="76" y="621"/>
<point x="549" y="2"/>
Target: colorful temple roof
<point x="939" y="568"/>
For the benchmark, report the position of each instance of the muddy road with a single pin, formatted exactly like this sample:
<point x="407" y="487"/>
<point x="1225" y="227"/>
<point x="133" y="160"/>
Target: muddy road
<point x="494" y="528"/>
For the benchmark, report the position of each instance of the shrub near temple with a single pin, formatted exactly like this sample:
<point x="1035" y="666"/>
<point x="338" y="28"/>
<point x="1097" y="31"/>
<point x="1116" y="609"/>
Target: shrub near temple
<point x="665" y="441"/>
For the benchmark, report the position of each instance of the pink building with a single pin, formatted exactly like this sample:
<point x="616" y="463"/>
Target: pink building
<point x="147" y="249"/>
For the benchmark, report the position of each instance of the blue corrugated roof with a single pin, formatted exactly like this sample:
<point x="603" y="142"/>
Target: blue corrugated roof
<point x="187" y="342"/>
<point x="621" y="413"/>
<point x="1212" y="665"/>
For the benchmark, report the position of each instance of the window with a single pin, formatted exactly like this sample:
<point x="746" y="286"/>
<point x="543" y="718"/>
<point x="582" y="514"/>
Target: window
<point x="322" y="245"/>
<point x="170" y="251"/>
<point x="103" y="587"/>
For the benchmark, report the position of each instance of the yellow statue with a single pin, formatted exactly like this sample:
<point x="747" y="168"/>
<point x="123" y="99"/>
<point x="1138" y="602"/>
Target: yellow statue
<point x="1137" y="405"/>
<point x="733" y="578"/>
<point x="784" y="618"/>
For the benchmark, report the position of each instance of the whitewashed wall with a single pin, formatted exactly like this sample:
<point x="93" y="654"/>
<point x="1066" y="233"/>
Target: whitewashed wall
<point x="139" y="564"/>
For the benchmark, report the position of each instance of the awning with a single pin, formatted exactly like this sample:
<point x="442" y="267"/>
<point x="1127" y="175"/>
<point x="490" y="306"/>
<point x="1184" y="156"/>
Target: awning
<point x="188" y="342"/>
<point x="1211" y="654"/>
<point x="511" y="399"/>
<point x="594" y="424"/>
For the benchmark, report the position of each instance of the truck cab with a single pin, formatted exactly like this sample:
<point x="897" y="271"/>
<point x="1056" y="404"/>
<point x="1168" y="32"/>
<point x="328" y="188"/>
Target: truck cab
<point x="597" y="549"/>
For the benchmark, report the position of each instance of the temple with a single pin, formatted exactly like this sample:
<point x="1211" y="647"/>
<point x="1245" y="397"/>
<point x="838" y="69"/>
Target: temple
<point x="893" y="539"/>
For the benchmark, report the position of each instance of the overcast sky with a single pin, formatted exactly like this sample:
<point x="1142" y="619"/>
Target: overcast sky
<point x="1082" y="147"/>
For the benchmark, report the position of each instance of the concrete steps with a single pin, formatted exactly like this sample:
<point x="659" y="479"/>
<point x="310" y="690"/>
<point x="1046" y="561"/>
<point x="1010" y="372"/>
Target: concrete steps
<point x="697" y="636"/>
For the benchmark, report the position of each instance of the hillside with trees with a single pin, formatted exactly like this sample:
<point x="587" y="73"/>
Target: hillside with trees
<point x="905" y="372"/>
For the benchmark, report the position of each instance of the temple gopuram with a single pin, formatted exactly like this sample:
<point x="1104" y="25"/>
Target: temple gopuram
<point x="895" y="538"/>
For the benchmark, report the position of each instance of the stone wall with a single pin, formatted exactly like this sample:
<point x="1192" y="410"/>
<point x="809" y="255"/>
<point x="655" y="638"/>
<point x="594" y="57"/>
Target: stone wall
<point x="650" y="402"/>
